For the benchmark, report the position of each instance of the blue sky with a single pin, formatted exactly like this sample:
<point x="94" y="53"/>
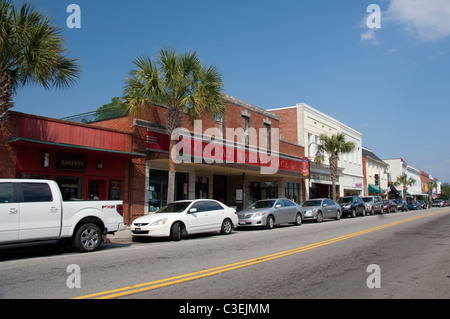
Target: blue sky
<point x="392" y="84"/>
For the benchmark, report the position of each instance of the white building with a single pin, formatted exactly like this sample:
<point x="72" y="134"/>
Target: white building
<point x="374" y="167"/>
<point x="352" y="177"/>
<point x="306" y="126"/>
<point x="414" y="190"/>
<point x="397" y="167"/>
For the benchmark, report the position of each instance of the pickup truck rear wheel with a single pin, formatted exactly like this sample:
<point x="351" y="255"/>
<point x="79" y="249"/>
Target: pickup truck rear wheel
<point x="88" y="237"/>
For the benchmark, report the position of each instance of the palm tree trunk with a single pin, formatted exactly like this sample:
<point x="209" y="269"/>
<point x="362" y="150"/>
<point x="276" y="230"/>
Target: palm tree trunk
<point x="171" y="181"/>
<point x="333" y="173"/>
<point x="174" y="120"/>
<point x="5" y="96"/>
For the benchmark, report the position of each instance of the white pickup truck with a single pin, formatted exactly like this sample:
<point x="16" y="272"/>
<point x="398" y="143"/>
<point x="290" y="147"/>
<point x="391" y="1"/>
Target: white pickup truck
<point x="33" y="212"/>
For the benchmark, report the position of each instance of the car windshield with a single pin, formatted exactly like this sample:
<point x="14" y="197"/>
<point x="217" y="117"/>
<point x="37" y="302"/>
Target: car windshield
<point x="367" y="199"/>
<point x="311" y="203"/>
<point x="174" y="208"/>
<point x="262" y="204"/>
<point x="344" y="200"/>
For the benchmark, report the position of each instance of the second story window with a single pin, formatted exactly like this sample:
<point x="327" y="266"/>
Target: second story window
<point x="246" y="124"/>
<point x="267" y="126"/>
<point x="219" y="120"/>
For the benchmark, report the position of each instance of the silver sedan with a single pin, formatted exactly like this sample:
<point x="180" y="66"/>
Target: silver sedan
<point x="320" y="209"/>
<point x="271" y="212"/>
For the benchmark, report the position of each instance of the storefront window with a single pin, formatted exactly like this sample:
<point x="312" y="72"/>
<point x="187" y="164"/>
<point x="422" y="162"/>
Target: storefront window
<point x="115" y="189"/>
<point x="157" y="190"/>
<point x="181" y="186"/>
<point x="292" y="191"/>
<point x="264" y="191"/>
<point x="33" y="176"/>
<point x="72" y="188"/>
<point x="271" y="189"/>
<point x="201" y="187"/>
<point x="95" y="189"/>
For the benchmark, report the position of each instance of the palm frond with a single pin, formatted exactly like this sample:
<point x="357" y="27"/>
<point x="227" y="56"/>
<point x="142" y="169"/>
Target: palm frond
<point x="32" y="50"/>
<point x="176" y="80"/>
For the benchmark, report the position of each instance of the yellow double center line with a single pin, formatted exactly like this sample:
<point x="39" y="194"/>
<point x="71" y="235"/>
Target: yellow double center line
<point x="214" y="271"/>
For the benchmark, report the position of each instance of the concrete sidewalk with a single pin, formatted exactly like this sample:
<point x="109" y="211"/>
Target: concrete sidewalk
<point x="120" y="236"/>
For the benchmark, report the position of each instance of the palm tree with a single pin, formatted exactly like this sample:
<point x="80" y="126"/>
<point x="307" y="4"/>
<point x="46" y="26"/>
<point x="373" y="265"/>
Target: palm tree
<point x="335" y="145"/>
<point x="405" y="181"/>
<point x="31" y="52"/>
<point x="183" y="84"/>
<point x="431" y="184"/>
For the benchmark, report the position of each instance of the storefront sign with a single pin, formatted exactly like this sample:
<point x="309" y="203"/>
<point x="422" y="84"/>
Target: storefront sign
<point x="191" y="150"/>
<point x="70" y="162"/>
<point x="305" y="164"/>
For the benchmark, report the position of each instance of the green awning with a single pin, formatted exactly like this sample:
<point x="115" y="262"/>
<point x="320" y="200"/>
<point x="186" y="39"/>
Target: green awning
<point x="407" y="194"/>
<point x="375" y="189"/>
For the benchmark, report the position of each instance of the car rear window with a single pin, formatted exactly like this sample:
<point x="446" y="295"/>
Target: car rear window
<point x="6" y="193"/>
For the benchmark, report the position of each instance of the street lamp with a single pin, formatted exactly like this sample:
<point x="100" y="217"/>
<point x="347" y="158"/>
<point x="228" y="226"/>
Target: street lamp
<point x="318" y="150"/>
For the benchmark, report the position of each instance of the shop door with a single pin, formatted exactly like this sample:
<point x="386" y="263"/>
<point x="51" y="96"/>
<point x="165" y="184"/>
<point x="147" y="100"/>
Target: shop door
<point x="220" y="188"/>
<point x="96" y="189"/>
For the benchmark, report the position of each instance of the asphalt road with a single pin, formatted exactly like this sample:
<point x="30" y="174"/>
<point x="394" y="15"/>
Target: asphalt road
<point x="410" y="251"/>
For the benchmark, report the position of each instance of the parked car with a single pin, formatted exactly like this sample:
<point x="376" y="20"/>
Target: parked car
<point x="414" y="206"/>
<point x="181" y="218"/>
<point x="33" y="212"/>
<point x="401" y="205"/>
<point x="446" y="203"/>
<point x="352" y="205"/>
<point x="271" y="212"/>
<point x="320" y="209"/>
<point x="422" y="204"/>
<point x="373" y="204"/>
<point x="438" y="203"/>
<point x="389" y="206"/>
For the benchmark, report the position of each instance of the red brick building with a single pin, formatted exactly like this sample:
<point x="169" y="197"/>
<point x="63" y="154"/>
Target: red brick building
<point x="236" y="184"/>
<point x="86" y="161"/>
<point x="127" y="157"/>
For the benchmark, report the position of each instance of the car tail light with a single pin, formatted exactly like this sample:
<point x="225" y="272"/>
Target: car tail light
<point x="119" y="209"/>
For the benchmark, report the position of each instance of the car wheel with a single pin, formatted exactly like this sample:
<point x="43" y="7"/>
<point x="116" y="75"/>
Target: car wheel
<point x="338" y="214"/>
<point x="298" y="219"/>
<point x="372" y="212"/>
<point x="270" y="222"/>
<point x="353" y="214"/>
<point x="88" y="237"/>
<point x="227" y="227"/>
<point x="175" y="232"/>
<point x="319" y="217"/>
